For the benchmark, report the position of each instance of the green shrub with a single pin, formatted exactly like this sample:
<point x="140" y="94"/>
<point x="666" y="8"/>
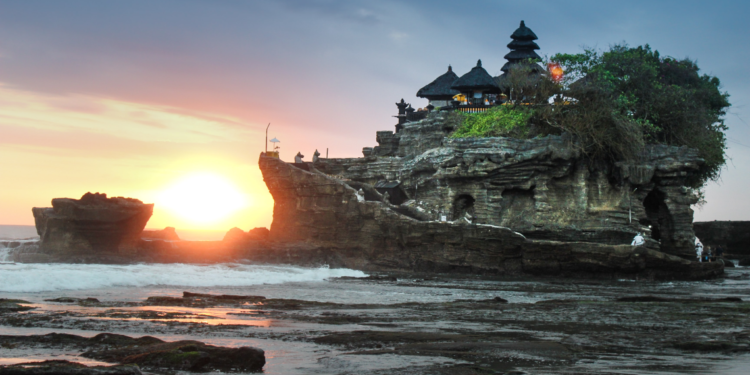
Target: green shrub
<point x="664" y="99"/>
<point x="498" y="121"/>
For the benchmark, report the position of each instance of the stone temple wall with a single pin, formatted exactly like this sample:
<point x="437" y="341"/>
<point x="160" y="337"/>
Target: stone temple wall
<point x="542" y="188"/>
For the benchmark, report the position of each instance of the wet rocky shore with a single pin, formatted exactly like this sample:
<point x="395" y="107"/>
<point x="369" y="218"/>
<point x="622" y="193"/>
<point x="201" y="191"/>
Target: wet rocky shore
<point x="394" y="323"/>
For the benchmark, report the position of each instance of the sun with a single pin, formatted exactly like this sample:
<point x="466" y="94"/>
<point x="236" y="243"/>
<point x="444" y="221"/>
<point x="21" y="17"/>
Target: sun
<point x="202" y="198"/>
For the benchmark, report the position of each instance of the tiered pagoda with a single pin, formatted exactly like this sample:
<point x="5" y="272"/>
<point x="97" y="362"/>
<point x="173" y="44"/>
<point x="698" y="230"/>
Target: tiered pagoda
<point x="477" y="86"/>
<point x="522" y="48"/>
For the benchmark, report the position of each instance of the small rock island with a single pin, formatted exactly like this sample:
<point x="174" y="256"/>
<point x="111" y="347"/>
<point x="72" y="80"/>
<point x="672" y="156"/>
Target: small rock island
<point x="91" y="224"/>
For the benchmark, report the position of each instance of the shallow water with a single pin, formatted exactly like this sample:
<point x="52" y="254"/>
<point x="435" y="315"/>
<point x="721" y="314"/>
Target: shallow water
<point x="603" y="337"/>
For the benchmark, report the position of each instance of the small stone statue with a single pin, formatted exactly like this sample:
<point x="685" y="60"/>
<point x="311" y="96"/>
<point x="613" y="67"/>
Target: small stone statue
<point x="298" y="158"/>
<point x="360" y="196"/>
<point x="316" y="156"/>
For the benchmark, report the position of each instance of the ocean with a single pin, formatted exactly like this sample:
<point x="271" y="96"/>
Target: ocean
<point x="546" y="326"/>
<point x="14" y="232"/>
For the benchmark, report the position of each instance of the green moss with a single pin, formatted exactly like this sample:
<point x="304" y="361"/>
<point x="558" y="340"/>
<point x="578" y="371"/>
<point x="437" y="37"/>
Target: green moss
<point x="498" y="121"/>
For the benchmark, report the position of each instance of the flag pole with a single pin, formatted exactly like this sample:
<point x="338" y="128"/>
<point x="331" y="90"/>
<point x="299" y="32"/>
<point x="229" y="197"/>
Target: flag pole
<point x="269" y="125"/>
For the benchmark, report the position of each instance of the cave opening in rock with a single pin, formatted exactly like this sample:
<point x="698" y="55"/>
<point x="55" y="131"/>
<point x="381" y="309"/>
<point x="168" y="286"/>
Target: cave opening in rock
<point x="463" y="205"/>
<point x="657" y="214"/>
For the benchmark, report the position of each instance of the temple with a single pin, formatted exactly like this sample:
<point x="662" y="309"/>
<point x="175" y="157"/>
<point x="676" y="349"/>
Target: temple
<point x="477" y="90"/>
<point x="440" y="92"/>
<point x="521" y="48"/>
<point x="423" y="200"/>
<point x="477" y="86"/>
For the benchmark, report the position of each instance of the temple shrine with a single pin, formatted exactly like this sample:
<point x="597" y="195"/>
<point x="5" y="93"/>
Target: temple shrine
<point x="477" y="90"/>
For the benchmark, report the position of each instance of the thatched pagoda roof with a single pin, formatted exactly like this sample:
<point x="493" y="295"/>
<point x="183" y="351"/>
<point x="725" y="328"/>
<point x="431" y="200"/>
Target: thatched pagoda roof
<point x="523" y="44"/>
<point x="523" y="33"/>
<point x="521" y="48"/>
<point x="476" y="79"/>
<point x="441" y="87"/>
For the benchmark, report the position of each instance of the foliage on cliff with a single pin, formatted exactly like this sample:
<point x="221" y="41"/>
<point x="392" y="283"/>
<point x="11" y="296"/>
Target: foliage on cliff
<point x="664" y="99"/>
<point x="499" y="121"/>
<point x="617" y="101"/>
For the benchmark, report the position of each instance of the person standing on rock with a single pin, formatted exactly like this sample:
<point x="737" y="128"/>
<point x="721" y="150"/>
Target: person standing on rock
<point x="638" y="240"/>
<point x="298" y="158"/>
<point x="698" y="249"/>
<point x="719" y="252"/>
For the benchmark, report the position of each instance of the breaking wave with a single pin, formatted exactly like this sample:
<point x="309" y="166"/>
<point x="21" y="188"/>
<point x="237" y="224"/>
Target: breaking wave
<point x="54" y="277"/>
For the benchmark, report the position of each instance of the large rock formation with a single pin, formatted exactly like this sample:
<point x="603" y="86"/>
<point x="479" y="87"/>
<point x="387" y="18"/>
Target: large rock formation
<point x="93" y="224"/>
<point x="733" y="236"/>
<point x="542" y="187"/>
<point x="510" y="206"/>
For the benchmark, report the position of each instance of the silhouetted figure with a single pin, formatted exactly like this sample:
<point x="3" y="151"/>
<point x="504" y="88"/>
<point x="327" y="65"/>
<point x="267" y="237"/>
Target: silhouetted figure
<point x="298" y="158"/>
<point x="316" y="156"/>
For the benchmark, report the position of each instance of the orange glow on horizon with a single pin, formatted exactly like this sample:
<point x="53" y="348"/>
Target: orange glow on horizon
<point x="202" y="198"/>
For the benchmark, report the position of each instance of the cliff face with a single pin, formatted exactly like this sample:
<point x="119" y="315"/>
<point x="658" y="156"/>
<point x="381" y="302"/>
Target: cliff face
<point x="542" y="188"/>
<point x="318" y="216"/>
<point x="92" y="224"/>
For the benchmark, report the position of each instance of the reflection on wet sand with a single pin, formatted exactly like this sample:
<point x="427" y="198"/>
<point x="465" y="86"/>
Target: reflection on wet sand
<point x="436" y="324"/>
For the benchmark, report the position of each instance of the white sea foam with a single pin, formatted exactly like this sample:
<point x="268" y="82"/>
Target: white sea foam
<point x="54" y="277"/>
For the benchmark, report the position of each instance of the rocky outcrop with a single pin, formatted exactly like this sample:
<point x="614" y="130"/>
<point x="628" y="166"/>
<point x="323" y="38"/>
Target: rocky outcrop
<point x="93" y="224"/>
<point x="133" y="354"/>
<point x="237" y="235"/>
<point x="732" y="236"/>
<point x="168" y="233"/>
<point x="319" y="217"/>
<point x="542" y="188"/>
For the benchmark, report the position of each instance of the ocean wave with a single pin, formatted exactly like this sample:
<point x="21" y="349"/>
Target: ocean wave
<point x="54" y="277"/>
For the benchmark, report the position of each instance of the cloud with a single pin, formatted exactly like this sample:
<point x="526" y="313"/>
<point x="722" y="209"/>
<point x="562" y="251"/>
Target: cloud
<point x="398" y="35"/>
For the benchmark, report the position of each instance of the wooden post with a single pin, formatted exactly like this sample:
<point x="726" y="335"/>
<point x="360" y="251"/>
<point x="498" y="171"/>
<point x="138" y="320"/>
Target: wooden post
<point x="269" y="125"/>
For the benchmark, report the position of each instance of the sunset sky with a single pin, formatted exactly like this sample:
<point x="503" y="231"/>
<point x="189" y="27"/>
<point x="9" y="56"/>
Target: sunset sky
<point x="148" y="98"/>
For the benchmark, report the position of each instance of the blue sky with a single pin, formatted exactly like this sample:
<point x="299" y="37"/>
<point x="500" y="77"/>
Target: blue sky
<point x="149" y="89"/>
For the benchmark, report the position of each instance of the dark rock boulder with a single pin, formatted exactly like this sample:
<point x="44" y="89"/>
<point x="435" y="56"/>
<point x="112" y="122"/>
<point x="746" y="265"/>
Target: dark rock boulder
<point x="188" y="355"/>
<point x="168" y="234"/>
<point x="92" y="224"/>
<point x="237" y="236"/>
<point x="147" y="352"/>
<point x="62" y="367"/>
